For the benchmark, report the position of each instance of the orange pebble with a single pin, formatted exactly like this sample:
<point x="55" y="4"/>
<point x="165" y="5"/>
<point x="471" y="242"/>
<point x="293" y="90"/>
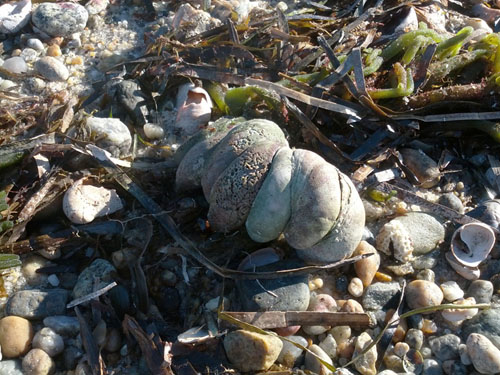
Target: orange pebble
<point x="380" y="276"/>
<point x="77" y="60"/>
<point x="54" y="50"/>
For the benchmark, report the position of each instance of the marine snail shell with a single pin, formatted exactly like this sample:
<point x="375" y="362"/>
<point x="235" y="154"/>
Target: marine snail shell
<point x="471" y="243"/>
<point x="251" y="176"/>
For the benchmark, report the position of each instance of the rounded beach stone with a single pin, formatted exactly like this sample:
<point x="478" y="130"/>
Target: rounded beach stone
<point x="445" y="347"/>
<point x="355" y="287"/>
<point x="15" y="65"/>
<point x="484" y="355"/>
<point x="49" y="341"/>
<point x="35" y="43"/>
<point x="37" y="362"/>
<point x="15" y="336"/>
<point x="487" y="323"/>
<point x="289" y="353"/>
<point x="481" y="290"/>
<point x="62" y="324"/>
<point x="312" y="364"/>
<point x="368" y="267"/>
<point x="250" y="351"/>
<point x="366" y="365"/>
<point x="37" y="303"/>
<point x="451" y="291"/>
<point x="425" y="231"/>
<point x="60" y="19"/>
<point x="99" y="268"/>
<point x="320" y="302"/>
<point x="52" y="69"/>
<point x="378" y="294"/>
<point x="113" y="134"/>
<point x="423" y="293"/>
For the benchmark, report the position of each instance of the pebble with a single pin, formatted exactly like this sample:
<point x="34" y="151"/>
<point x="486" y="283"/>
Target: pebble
<point x="425" y="231"/>
<point x="312" y="364"/>
<point x="353" y="306"/>
<point x="14" y="16"/>
<point x="130" y="96"/>
<point x="423" y="293"/>
<point x="356" y="287"/>
<point x="293" y="292"/>
<point x="481" y="290"/>
<point x="49" y="341"/>
<point x="114" y="134"/>
<point x="484" y="355"/>
<point x="52" y="69"/>
<point x="11" y="367"/>
<point x="454" y="367"/>
<point x="366" y="365"/>
<point x="445" y="347"/>
<point x="366" y="268"/>
<point x="378" y="294"/>
<point x="37" y="303"/>
<point x="60" y="19"/>
<point x="414" y="338"/>
<point x="452" y="201"/>
<point x="487" y="323"/>
<point x="250" y="351"/>
<point x="464" y="356"/>
<point x="432" y="367"/>
<point x="15" y="65"/>
<point x="329" y="345"/>
<point x="96" y="6"/>
<point x="63" y="324"/>
<point x="98" y="268"/>
<point x="15" y="336"/>
<point x="113" y="341"/>
<point x="30" y="265"/>
<point x="37" y="362"/>
<point x="83" y="203"/>
<point x="488" y="212"/>
<point x="341" y="333"/>
<point x="457" y="316"/>
<point x="428" y="275"/>
<point x="153" y="131"/>
<point x="320" y="302"/>
<point x="53" y="280"/>
<point x="426" y="261"/>
<point x="29" y="54"/>
<point x="290" y="353"/>
<point x="401" y="348"/>
<point x="54" y="50"/>
<point x="451" y="291"/>
<point x="35" y="43"/>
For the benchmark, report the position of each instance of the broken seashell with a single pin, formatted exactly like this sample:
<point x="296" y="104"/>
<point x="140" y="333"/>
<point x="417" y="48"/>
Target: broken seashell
<point x="394" y="233"/>
<point x="471" y="243"/>
<point x="83" y="203"/>
<point x="194" y="108"/>
<point x="195" y="335"/>
<point x="458" y="315"/>
<point x="469" y="273"/>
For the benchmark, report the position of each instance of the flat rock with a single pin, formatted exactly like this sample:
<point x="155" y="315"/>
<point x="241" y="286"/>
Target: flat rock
<point x="62" y="324"/>
<point x="487" y="323"/>
<point x="85" y="285"/>
<point x="425" y="231"/>
<point x="378" y="294"/>
<point x="445" y="347"/>
<point x="15" y="65"/>
<point x="52" y="69"/>
<point x="37" y="304"/>
<point x="250" y="351"/>
<point x="114" y="134"/>
<point x="14" y="16"/>
<point x="60" y="19"/>
<point x="484" y="355"/>
<point x="292" y="292"/>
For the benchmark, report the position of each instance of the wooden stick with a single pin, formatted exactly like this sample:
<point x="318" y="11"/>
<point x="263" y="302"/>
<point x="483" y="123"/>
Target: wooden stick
<point x="279" y="319"/>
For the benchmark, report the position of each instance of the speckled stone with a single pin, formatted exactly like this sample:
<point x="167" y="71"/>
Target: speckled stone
<point x="52" y="69"/>
<point x="312" y="364"/>
<point x="454" y="367"/>
<point x="378" y="294"/>
<point x="60" y="19"/>
<point x="14" y="16"/>
<point x="37" y="303"/>
<point x="481" y="290"/>
<point x="250" y="351"/>
<point x="414" y="338"/>
<point x="487" y="323"/>
<point x="289" y="353"/>
<point x="99" y="268"/>
<point x="445" y="347"/>
<point x="37" y="362"/>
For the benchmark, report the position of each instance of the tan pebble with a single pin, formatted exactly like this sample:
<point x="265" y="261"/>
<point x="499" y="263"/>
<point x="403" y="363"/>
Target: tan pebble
<point x="37" y="362"/>
<point x="77" y="60"/>
<point x="429" y="327"/>
<point x="484" y="355"/>
<point x="460" y="186"/>
<point x="400" y="332"/>
<point x="393" y="362"/>
<point x="368" y="267"/>
<point x="100" y="333"/>
<point x="352" y="306"/>
<point x="451" y="291"/>
<point x="345" y="348"/>
<point x="312" y="364"/>
<point x="16" y="334"/>
<point x="366" y="364"/>
<point x="401" y="348"/>
<point x="250" y="351"/>
<point x="315" y="284"/>
<point x="380" y="276"/>
<point x="341" y="333"/>
<point x="16" y="52"/>
<point x="88" y="47"/>
<point x="29" y="269"/>
<point x="355" y="287"/>
<point x="54" y="50"/>
<point x="423" y="293"/>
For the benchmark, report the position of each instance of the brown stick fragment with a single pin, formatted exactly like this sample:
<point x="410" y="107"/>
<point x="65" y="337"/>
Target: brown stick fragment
<point x="93" y="356"/>
<point x="472" y="91"/>
<point x="279" y="319"/>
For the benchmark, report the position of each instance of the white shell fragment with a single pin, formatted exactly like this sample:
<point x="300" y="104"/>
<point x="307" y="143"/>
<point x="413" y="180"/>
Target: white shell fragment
<point x="14" y="16"/>
<point x="194" y="108"/>
<point x="459" y="315"/>
<point x="469" y="273"/>
<point x="471" y="243"/>
<point x="396" y="234"/>
<point x="194" y="335"/>
<point x="83" y="203"/>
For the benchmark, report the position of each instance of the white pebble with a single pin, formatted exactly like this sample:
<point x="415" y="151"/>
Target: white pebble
<point x="451" y="291"/>
<point x="329" y="345"/>
<point x="49" y="341"/>
<point x="355" y="287"/>
<point x="289" y="353"/>
<point x="153" y="131"/>
<point x="401" y="348"/>
<point x="34" y="43"/>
